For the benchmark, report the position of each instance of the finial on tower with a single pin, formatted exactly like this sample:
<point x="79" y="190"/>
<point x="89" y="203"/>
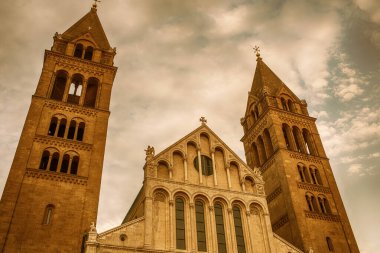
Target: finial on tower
<point x="203" y="120"/>
<point x="257" y="51"/>
<point x="95" y="5"/>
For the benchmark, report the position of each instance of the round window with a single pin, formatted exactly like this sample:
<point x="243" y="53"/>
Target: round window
<point x="206" y="163"/>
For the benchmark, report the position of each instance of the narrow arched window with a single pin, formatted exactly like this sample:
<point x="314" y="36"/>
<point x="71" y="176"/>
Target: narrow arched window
<point x="309" y="142"/>
<point x="220" y="232"/>
<point x="313" y="177"/>
<point x="263" y="155"/>
<point x="256" y="110"/>
<point x="44" y="160"/>
<point x="309" y="204"/>
<point x="62" y="128"/>
<point x="74" y="165"/>
<point x="78" y="51"/>
<point x="54" y="162"/>
<point x="91" y="92"/>
<point x="268" y="142"/>
<point x="88" y="53"/>
<point x="256" y="159"/>
<point x="318" y="176"/>
<point x="284" y="105"/>
<point x="180" y="224"/>
<point x="291" y="106"/>
<point x="330" y="245"/>
<point x="80" y="132"/>
<point x="239" y="233"/>
<point x="297" y="139"/>
<point x="59" y="85"/>
<point x="201" y="229"/>
<point x="65" y="163"/>
<point x="286" y="137"/>
<point x="300" y="171"/>
<point x="48" y="215"/>
<point x="320" y="201"/>
<point x="75" y="90"/>
<point x="314" y="203"/>
<point x="53" y="126"/>
<point x="71" y="133"/>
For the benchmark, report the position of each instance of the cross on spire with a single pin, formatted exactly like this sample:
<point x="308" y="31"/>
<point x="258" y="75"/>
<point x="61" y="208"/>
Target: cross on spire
<point x="95" y="3"/>
<point x="257" y="51"/>
<point x="203" y="120"/>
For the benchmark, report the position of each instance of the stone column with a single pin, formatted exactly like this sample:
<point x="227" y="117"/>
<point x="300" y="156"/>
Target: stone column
<point x="148" y="222"/>
<point x="67" y="87"/>
<point x="83" y="92"/>
<point x="200" y="167"/>
<point x="57" y="127"/>
<point x="193" y="225"/>
<point x="214" y="168"/>
<point x="70" y="162"/>
<point x="231" y="232"/>
<point x="228" y="177"/>
<point x="171" y="172"/>
<point x="214" y="242"/>
<point x="172" y="225"/>
<point x="247" y="230"/>
<point x="185" y="166"/>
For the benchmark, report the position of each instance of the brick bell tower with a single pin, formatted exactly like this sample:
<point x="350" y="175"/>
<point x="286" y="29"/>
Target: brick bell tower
<point x="52" y="191"/>
<point x="282" y="139"/>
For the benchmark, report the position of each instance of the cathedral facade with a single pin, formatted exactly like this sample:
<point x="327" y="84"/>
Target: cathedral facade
<point x="197" y="194"/>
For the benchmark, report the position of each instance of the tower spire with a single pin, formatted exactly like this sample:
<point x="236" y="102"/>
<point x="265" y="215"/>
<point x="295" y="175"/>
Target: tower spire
<point x="94" y="5"/>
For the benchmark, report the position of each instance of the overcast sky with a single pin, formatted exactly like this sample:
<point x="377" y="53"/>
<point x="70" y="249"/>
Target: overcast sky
<point x="179" y="60"/>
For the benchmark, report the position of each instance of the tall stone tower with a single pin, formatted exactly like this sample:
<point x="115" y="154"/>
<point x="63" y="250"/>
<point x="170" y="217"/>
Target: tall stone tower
<point x="52" y="191"/>
<point x="282" y="139"/>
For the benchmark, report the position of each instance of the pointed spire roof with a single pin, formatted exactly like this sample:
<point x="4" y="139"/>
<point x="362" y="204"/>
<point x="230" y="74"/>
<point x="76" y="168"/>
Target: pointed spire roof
<point x="265" y="80"/>
<point x="89" y="23"/>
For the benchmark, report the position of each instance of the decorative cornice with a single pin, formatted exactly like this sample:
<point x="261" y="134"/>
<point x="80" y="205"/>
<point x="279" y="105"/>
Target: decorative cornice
<point x="313" y="187"/>
<point x="274" y="194"/>
<point x="60" y="142"/>
<point x="57" y="105"/>
<point x="321" y="216"/>
<point x="280" y="222"/>
<point x="69" y="62"/>
<point x="305" y="157"/>
<point x="56" y="176"/>
<point x="268" y="163"/>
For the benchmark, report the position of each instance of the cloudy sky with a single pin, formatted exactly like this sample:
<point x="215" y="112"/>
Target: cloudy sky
<point x="179" y="60"/>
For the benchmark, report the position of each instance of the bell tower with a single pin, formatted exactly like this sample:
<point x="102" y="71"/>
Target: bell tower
<point x="52" y="191"/>
<point x="282" y="139"/>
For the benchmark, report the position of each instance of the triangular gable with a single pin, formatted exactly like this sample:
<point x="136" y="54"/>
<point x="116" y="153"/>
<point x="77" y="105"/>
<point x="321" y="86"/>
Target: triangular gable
<point x="89" y="23"/>
<point x="231" y="156"/>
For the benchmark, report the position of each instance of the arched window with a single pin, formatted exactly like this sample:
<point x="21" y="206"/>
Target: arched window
<point x="44" y="160"/>
<point x="62" y="128"/>
<point x="284" y="105"/>
<point x="71" y="133"/>
<point x="239" y="233"/>
<point x="306" y="174"/>
<point x="53" y="126"/>
<point x="313" y="179"/>
<point x="201" y="229"/>
<point x="206" y="163"/>
<point x="91" y="92"/>
<point x="318" y="177"/>
<point x="330" y="245"/>
<point x="180" y="223"/>
<point x="300" y="172"/>
<point x="256" y="159"/>
<point x="310" y="148"/>
<point x="65" y="163"/>
<point x="314" y="203"/>
<point x="59" y="85"/>
<point x="309" y="204"/>
<point x="262" y="153"/>
<point x="285" y="131"/>
<point x="80" y="132"/>
<point x="291" y="105"/>
<point x="88" y="53"/>
<point x="268" y="142"/>
<point x="256" y="111"/>
<point x="78" y="51"/>
<point x="320" y="201"/>
<point x="297" y="137"/>
<point x="220" y="232"/>
<point x="327" y="206"/>
<point x="54" y="162"/>
<point x="75" y="89"/>
<point x="74" y="165"/>
<point x="48" y="215"/>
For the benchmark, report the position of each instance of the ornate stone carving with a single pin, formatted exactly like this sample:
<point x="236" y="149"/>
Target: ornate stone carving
<point x="64" y="143"/>
<point x="280" y="222"/>
<point x="260" y="190"/>
<point x="304" y="157"/>
<point x="149" y="152"/>
<point x="320" y="216"/>
<point x="57" y="105"/>
<point x="54" y="176"/>
<point x="313" y="187"/>
<point x="274" y="194"/>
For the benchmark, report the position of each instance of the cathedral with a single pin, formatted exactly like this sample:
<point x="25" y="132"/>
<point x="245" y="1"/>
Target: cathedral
<point x="197" y="194"/>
